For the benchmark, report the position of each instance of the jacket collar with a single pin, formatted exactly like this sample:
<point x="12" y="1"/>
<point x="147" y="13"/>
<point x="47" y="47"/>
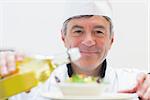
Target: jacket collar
<point x="102" y="71"/>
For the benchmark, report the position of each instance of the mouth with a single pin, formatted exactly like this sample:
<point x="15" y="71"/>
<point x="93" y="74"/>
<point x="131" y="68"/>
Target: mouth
<point x="88" y="52"/>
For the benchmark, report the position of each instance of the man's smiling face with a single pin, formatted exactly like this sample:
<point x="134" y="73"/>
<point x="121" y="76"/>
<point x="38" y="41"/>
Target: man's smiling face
<point x="93" y="38"/>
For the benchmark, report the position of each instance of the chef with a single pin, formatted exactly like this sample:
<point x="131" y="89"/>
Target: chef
<point x="88" y="25"/>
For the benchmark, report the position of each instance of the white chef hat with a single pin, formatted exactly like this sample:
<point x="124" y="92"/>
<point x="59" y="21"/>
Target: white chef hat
<point x="87" y="7"/>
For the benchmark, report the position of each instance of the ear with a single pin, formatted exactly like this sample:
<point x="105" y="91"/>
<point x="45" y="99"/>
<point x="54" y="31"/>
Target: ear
<point x="62" y="36"/>
<point x="111" y="41"/>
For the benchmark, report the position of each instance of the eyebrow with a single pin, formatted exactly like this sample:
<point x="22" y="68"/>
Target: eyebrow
<point x="76" y="26"/>
<point x="95" y="27"/>
<point x="99" y="26"/>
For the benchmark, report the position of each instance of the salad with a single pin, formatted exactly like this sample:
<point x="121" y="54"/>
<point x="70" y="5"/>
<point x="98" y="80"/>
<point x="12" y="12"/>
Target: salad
<point x="83" y="79"/>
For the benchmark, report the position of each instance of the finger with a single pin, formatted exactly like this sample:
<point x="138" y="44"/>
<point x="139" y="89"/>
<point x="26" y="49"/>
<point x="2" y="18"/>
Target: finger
<point x="3" y="65"/>
<point x="19" y="56"/>
<point x="3" y="68"/>
<point x="147" y="94"/>
<point x="11" y="62"/>
<point x="140" y="78"/>
<point x="144" y="87"/>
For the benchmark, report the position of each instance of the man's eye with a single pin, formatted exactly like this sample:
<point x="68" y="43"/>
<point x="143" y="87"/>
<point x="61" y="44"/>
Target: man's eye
<point x="99" y="32"/>
<point x="78" y="31"/>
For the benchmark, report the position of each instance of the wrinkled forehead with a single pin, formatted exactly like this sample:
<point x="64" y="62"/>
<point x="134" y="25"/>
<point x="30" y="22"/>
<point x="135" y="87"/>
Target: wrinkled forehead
<point x="92" y="21"/>
<point x="94" y="17"/>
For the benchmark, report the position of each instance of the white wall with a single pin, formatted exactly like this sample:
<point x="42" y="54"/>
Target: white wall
<point x="34" y="26"/>
<point x="130" y="48"/>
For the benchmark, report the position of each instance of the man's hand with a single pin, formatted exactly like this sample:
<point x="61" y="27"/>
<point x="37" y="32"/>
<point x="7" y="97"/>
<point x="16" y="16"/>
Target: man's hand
<point x="8" y="60"/>
<point x="142" y="88"/>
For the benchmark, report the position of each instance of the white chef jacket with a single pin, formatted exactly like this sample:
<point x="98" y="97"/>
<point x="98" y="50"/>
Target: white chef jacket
<point x="118" y="79"/>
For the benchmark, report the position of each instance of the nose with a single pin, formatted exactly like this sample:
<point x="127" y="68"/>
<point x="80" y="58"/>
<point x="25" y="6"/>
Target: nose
<point x="88" y="40"/>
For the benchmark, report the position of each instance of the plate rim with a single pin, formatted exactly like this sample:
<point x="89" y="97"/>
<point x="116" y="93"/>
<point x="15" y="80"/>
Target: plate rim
<point x="99" y="97"/>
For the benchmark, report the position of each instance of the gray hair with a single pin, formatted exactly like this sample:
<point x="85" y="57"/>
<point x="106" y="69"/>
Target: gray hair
<point x="64" y="28"/>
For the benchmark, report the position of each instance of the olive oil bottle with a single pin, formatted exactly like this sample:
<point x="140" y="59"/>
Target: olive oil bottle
<point x="32" y="70"/>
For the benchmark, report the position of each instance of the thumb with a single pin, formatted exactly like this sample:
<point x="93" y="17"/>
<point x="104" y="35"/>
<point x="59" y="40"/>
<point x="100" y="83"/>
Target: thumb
<point x="132" y="90"/>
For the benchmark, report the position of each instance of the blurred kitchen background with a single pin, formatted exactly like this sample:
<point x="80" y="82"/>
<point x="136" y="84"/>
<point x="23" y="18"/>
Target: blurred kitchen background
<point x="34" y="26"/>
